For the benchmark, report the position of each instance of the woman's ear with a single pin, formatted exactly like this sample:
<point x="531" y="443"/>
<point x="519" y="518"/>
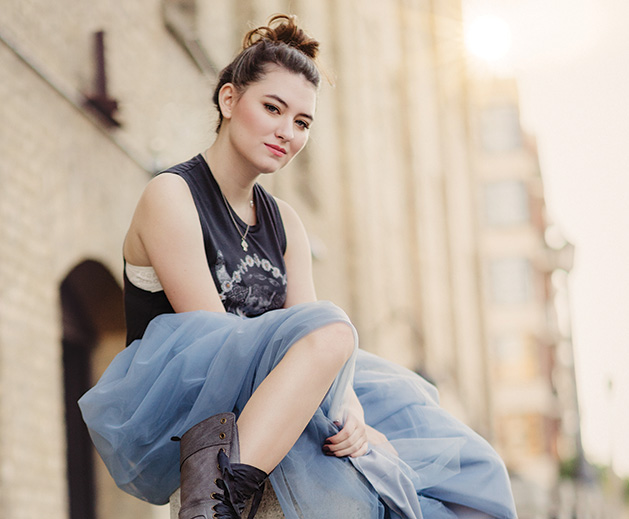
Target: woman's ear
<point x="226" y="99"/>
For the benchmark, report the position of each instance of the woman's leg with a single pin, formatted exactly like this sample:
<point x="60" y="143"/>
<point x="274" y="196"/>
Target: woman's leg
<point x="283" y="404"/>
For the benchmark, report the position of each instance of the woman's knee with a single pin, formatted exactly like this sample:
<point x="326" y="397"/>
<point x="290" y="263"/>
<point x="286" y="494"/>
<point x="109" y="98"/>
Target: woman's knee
<point x="333" y="342"/>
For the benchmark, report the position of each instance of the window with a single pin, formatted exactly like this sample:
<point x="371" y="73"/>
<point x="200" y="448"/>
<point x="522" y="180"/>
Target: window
<point x="522" y="435"/>
<point x="505" y="203"/>
<point x="510" y="280"/>
<point x="500" y="128"/>
<point x="510" y="349"/>
<point x="515" y="357"/>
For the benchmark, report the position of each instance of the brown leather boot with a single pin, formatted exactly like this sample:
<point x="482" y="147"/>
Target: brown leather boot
<point x="213" y="483"/>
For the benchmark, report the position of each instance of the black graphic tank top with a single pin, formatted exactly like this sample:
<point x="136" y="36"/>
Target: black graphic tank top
<point x="249" y="282"/>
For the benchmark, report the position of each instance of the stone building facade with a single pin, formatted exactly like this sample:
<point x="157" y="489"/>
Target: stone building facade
<point x="384" y="189"/>
<point x="523" y="268"/>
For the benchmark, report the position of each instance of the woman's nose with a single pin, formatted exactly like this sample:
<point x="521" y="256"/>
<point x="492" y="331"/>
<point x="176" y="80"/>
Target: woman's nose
<point x="285" y="130"/>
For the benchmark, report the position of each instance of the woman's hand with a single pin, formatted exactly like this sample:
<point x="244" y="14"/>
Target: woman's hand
<point x="354" y="439"/>
<point x="376" y="438"/>
<point x="351" y="440"/>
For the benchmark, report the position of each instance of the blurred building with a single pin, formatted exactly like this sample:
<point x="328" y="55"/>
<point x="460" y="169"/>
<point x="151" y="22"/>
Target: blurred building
<point x="426" y="219"/>
<point x="524" y="265"/>
<point x="533" y="399"/>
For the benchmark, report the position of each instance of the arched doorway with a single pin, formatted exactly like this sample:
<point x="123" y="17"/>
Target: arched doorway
<point x="92" y="311"/>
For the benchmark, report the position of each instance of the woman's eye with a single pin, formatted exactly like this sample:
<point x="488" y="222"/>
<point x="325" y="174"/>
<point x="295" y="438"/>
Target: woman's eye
<point x="272" y="108"/>
<point x="303" y="124"/>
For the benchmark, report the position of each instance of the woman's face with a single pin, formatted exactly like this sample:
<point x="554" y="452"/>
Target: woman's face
<point x="270" y="120"/>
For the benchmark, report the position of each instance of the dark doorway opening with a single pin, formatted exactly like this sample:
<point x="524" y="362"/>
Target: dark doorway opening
<point x="91" y="303"/>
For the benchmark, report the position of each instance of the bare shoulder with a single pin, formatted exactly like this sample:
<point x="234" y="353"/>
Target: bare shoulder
<point x="165" y="197"/>
<point x="165" y="187"/>
<point x="296" y="234"/>
<point x="289" y="215"/>
<point x="165" y="201"/>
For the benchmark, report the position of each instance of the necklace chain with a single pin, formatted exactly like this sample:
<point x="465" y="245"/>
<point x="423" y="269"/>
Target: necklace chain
<point x="243" y="241"/>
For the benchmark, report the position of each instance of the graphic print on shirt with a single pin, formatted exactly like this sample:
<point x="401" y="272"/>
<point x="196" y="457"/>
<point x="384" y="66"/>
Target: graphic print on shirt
<point x="252" y="288"/>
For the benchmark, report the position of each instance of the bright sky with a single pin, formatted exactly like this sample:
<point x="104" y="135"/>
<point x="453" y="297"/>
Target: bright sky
<point x="571" y="58"/>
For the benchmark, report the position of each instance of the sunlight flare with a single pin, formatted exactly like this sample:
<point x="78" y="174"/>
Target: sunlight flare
<point x="488" y="38"/>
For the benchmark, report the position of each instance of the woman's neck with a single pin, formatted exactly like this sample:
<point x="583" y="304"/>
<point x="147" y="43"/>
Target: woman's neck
<point x="234" y="179"/>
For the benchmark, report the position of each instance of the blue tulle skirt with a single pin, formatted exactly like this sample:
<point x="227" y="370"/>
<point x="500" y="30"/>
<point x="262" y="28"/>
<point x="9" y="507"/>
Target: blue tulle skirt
<point x="190" y="366"/>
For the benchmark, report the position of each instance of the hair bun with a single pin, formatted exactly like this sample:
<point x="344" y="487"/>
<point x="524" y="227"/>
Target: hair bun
<point x="282" y="28"/>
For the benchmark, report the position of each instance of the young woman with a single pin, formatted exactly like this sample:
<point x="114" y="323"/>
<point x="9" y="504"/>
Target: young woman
<point x="229" y="348"/>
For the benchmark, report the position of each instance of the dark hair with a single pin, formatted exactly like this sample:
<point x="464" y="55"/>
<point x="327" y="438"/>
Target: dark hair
<point x="281" y="42"/>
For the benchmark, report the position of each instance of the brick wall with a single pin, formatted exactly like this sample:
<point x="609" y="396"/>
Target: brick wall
<point x="68" y="188"/>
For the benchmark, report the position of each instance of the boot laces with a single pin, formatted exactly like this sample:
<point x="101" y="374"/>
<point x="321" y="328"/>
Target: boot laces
<point x="237" y="488"/>
<point x="224" y="508"/>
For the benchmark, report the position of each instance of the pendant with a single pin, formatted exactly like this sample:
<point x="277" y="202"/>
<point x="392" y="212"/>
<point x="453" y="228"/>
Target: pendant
<point x="244" y="245"/>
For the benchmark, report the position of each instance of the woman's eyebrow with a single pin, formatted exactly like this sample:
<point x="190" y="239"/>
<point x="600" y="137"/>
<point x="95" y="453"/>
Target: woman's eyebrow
<point x="285" y="104"/>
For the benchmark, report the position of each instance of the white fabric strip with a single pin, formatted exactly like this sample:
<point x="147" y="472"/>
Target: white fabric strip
<point x="143" y="277"/>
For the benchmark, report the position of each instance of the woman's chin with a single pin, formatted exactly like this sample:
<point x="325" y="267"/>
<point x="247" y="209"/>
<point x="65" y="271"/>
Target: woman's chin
<point x="268" y="168"/>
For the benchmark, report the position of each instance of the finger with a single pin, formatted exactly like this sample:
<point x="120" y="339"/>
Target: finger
<point x="353" y="451"/>
<point x="362" y="451"/>
<point x="346" y="448"/>
<point x="340" y="436"/>
<point x="350" y="426"/>
<point x="344" y="441"/>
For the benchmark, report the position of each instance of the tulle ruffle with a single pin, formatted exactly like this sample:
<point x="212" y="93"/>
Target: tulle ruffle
<point x="190" y="366"/>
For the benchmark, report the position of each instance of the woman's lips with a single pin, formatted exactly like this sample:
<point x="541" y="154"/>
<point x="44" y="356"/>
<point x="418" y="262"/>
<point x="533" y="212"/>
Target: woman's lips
<point x="278" y="151"/>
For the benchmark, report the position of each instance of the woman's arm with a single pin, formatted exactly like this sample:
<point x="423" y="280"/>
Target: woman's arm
<point x="298" y="258"/>
<point x="165" y="233"/>
<point x="352" y="439"/>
